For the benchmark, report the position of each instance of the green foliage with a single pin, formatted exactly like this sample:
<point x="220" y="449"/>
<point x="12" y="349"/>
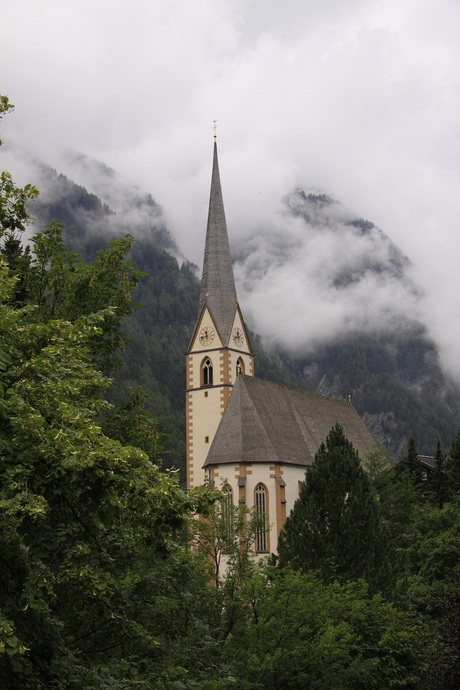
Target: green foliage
<point x="60" y="284"/>
<point x="130" y="423"/>
<point x="412" y="465"/>
<point x="79" y="510"/>
<point x="223" y="535"/>
<point x="13" y="199"/>
<point x="375" y="464"/>
<point x="301" y="633"/>
<point x="438" y="480"/>
<point x="433" y="584"/>
<point x="453" y="466"/>
<point x="13" y="204"/>
<point x="156" y="342"/>
<point x="334" y="527"/>
<point x="97" y="589"/>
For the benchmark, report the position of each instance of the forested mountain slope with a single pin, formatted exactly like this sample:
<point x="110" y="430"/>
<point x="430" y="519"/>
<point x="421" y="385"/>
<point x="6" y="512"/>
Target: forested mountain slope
<point x="392" y="375"/>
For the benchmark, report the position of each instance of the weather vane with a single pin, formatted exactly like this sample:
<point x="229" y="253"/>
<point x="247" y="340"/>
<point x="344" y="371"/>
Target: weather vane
<point x="215" y="128"/>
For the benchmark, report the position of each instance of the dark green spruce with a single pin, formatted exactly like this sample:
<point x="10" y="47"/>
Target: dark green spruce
<point x="334" y="527"/>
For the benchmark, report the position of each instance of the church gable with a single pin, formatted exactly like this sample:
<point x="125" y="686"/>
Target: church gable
<point x="206" y="335"/>
<point x="239" y="338"/>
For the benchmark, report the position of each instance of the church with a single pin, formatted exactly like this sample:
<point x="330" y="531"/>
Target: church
<point x="252" y="438"/>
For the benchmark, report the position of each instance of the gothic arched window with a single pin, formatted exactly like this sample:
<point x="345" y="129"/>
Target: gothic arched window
<point x="239" y="366"/>
<point x="206" y="372"/>
<point x="227" y="511"/>
<point x="260" y="504"/>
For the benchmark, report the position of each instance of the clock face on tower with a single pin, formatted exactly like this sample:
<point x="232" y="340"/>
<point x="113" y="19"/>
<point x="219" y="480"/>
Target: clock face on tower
<point x="207" y="335"/>
<point x="238" y="337"/>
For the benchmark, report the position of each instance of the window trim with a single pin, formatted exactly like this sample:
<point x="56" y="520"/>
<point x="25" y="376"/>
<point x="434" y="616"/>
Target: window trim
<point x="206" y="372"/>
<point x="261" y="542"/>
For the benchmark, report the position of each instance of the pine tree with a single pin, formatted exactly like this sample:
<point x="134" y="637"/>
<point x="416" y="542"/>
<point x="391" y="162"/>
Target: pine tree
<point x="334" y="527"/>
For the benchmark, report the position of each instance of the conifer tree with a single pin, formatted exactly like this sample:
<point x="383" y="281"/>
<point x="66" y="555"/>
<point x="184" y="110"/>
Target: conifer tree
<point x="334" y="527"/>
<point x="411" y="463"/>
<point x="438" y="481"/>
<point x="453" y="466"/>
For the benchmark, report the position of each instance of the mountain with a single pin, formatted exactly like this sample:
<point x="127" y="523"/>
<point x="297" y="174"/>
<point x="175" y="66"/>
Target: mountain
<point x="355" y="334"/>
<point x="352" y="319"/>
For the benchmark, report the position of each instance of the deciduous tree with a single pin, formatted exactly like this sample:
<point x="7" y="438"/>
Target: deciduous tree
<point x="299" y="633"/>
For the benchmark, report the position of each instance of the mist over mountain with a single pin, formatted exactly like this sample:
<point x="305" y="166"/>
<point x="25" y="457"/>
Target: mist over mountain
<point x="320" y="272"/>
<point x="110" y="209"/>
<point x="347" y="319"/>
<point x="329" y="293"/>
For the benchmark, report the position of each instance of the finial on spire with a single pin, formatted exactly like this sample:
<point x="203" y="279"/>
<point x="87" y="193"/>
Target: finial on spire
<point x="215" y="129"/>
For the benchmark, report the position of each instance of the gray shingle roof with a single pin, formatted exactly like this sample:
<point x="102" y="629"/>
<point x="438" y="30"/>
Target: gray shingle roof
<point x="268" y="422"/>
<point x="218" y="290"/>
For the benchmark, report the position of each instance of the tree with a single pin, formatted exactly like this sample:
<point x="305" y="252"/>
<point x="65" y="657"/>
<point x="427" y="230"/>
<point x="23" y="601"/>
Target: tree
<point x="299" y="632"/>
<point x="61" y="285"/>
<point x="88" y="523"/>
<point x="80" y="512"/>
<point x="432" y="585"/>
<point x="222" y="537"/>
<point x="334" y="527"/>
<point x="438" y="480"/>
<point x="411" y="464"/>
<point x="453" y="466"/>
<point x="13" y="200"/>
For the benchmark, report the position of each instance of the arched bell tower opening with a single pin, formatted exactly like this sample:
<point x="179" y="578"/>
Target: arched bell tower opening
<point x="206" y="372"/>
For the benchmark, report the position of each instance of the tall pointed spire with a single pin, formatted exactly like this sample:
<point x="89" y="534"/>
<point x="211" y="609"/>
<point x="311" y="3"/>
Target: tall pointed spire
<point x="218" y="290"/>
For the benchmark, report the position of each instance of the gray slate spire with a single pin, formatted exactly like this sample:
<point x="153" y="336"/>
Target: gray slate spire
<point x="218" y="290"/>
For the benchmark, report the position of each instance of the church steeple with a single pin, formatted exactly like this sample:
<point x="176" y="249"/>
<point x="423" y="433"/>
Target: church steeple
<point x="219" y="350"/>
<point x="218" y="290"/>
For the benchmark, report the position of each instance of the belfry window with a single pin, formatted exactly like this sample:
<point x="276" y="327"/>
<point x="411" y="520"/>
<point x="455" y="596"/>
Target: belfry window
<point x="206" y="372"/>
<point x="260" y="503"/>
<point x="239" y="366"/>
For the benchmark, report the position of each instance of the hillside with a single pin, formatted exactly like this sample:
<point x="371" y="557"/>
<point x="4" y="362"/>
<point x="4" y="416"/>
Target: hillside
<point x="391" y="372"/>
<point x="353" y="320"/>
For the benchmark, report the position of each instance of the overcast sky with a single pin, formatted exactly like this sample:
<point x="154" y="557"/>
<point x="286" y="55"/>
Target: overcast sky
<point x="359" y="98"/>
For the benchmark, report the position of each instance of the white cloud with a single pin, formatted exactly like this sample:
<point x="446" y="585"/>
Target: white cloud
<point x="359" y="98"/>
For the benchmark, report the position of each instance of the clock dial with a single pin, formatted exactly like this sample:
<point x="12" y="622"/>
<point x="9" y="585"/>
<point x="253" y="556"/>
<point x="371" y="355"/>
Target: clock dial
<point x="207" y="335"/>
<point x="238" y="337"/>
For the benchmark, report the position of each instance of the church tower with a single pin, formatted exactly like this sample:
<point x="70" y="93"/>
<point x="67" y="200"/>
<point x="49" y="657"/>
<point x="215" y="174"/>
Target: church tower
<point x="219" y="350"/>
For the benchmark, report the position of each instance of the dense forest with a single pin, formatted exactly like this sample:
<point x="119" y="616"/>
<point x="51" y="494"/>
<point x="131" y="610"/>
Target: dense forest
<point x="108" y="577"/>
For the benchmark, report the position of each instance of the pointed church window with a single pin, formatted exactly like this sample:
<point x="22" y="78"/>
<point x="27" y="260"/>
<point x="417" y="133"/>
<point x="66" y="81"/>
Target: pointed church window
<point x="206" y="372"/>
<point x="239" y="366"/>
<point x="227" y="512"/>
<point x="260" y="503"/>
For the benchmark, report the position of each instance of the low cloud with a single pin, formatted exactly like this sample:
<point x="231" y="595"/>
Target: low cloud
<point x="320" y="274"/>
<point x="361" y="99"/>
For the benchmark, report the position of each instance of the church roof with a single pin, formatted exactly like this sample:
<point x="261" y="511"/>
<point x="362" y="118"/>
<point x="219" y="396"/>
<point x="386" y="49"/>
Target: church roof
<point x="265" y="422"/>
<point x="218" y="290"/>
